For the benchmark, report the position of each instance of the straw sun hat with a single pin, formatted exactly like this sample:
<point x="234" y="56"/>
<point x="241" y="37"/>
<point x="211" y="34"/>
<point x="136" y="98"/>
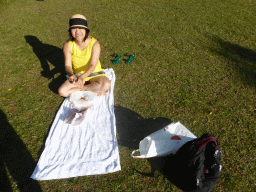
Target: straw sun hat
<point x="78" y="20"/>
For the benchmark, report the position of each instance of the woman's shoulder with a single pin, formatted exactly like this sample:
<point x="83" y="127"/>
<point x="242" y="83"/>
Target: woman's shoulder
<point x="93" y="40"/>
<point x="67" y="45"/>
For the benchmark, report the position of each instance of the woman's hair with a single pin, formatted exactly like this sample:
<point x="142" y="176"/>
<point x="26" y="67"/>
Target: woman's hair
<point x="86" y="34"/>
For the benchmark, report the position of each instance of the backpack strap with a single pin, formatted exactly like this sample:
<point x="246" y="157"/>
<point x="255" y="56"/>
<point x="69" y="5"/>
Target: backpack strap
<point x="205" y="141"/>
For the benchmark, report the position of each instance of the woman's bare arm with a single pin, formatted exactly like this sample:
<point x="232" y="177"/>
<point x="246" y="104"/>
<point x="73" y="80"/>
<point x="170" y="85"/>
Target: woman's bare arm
<point x="68" y="60"/>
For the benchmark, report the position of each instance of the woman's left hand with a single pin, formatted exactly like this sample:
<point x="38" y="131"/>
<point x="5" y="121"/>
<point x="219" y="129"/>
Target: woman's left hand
<point x="80" y="82"/>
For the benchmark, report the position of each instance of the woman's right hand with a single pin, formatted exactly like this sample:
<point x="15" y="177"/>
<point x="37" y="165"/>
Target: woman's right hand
<point x="72" y="78"/>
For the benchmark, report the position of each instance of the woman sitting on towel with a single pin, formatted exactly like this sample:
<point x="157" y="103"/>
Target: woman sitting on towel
<point x="82" y="64"/>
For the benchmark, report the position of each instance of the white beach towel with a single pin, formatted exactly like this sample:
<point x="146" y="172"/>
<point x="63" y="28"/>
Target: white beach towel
<point x="86" y="149"/>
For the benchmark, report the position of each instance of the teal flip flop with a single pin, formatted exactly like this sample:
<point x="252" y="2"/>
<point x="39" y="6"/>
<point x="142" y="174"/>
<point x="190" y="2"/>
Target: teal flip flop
<point x="131" y="58"/>
<point x="117" y="59"/>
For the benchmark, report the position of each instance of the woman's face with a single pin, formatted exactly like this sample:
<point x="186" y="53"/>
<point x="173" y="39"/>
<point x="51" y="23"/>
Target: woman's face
<point x="78" y="33"/>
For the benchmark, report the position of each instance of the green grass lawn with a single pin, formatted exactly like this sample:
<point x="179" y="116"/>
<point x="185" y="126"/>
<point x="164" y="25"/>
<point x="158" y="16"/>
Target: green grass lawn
<point x="195" y="63"/>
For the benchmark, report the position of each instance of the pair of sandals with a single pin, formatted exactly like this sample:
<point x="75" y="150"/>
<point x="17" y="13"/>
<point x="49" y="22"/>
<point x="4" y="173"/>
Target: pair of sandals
<point x="128" y="61"/>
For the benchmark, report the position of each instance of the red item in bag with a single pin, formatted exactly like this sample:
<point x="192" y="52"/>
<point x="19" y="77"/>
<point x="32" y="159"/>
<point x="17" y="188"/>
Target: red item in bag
<point x="175" y="137"/>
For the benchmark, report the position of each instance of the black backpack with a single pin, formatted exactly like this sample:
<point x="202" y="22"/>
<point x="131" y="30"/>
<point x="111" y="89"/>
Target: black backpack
<point x="196" y="166"/>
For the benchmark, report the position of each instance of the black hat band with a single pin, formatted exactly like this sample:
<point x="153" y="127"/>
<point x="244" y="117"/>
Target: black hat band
<point x="77" y="21"/>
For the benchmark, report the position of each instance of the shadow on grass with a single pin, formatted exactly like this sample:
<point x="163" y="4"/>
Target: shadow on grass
<point x="167" y="167"/>
<point x="15" y="157"/>
<point x="241" y="59"/>
<point x="132" y="128"/>
<point x="49" y="54"/>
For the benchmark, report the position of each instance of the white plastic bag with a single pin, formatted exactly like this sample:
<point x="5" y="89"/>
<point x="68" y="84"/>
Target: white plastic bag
<point x="81" y="100"/>
<point x="165" y="141"/>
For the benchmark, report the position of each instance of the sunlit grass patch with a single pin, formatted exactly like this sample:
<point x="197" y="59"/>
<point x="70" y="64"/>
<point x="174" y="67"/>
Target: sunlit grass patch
<point x="195" y="63"/>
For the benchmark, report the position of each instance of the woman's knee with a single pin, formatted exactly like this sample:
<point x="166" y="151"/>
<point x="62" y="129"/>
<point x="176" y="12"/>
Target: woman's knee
<point x="106" y="85"/>
<point x="63" y="90"/>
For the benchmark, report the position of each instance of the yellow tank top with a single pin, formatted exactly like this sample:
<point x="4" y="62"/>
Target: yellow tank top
<point x="81" y="59"/>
